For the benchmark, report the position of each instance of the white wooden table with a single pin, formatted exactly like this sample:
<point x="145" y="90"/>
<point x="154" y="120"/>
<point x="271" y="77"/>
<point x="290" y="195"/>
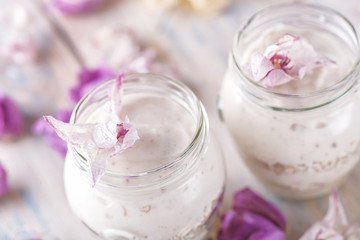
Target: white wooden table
<point x="198" y="46"/>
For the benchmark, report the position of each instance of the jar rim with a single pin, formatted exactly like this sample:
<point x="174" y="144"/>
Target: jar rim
<point x="317" y="93"/>
<point x="201" y="124"/>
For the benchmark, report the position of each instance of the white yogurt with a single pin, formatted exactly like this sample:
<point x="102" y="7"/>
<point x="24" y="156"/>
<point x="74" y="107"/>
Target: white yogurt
<point x="300" y="153"/>
<point x="179" y="207"/>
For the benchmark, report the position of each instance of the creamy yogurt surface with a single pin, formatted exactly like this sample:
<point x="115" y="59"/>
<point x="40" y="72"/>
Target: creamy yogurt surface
<point x="164" y="127"/>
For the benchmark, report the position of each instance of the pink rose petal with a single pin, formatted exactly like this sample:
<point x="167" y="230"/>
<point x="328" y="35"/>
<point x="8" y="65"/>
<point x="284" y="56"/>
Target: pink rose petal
<point x="334" y="225"/>
<point x="76" y="6"/>
<point x="11" y="119"/>
<point x="20" y="49"/>
<point x="249" y="200"/>
<point x="4" y="187"/>
<point x="120" y="48"/>
<point x="116" y="94"/>
<point x="26" y="35"/>
<point x="247" y="225"/>
<point x="127" y="135"/>
<point x="260" y="66"/>
<point x="252" y="218"/>
<point x="288" y="59"/>
<point x="88" y="79"/>
<point x="99" y="141"/>
<point x="276" y="77"/>
<point x="41" y="127"/>
<point x="100" y="135"/>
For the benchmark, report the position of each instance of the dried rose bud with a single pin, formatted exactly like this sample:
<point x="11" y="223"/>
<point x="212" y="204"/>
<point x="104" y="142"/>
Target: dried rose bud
<point x="11" y="119"/>
<point x="4" y="187"/>
<point x="77" y="6"/>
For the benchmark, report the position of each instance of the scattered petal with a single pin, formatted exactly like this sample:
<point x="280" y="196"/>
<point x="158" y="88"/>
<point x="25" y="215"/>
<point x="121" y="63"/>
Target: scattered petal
<point x="77" y="6"/>
<point x="119" y="48"/>
<point x="127" y="134"/>
<point x="88" y="80"/>
<point x="260" y="66"/>
<point x="249" y="200"/>
<point x="252" y="218"/>
<point x="100" y="135"/>
<point x="11" y="119"/>
<point x="27" y="35"/>
<point x="116" y="94"/>
<point x="247" y="225"/>
<point x="287" y="60"/>
<point x="99" y="141"/>
<point x="19" y="48"/>
<point x="21" y="43"/>
<point x="334" y="226"/>
<point x="41" y="127"/>
<point x="4" y="187"/>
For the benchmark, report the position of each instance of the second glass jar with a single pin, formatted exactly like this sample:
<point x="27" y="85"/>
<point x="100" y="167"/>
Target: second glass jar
<point x="298" y="145"/>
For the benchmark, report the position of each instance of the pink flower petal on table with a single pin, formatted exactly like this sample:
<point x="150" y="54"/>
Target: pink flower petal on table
<point x="4" y="187"/>
<point x="334" y="225"/>
<point x="247" y="225"/>
<point x="11" y="119"/>
<point x="252" y="218"/>
<point x="41" y="127"/>
<point x="249" y="200"/>
<point x="76" y="6"/>
<point x="88" y="79"/>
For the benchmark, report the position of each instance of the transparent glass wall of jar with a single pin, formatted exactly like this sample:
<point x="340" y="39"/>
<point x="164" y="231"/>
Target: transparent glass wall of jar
<point x="298" y="145"/>
<point x="179" y="199"/>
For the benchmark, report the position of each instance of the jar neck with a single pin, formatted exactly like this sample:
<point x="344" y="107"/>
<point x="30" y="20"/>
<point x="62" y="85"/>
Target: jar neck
<point x="293" y="15"/>
<point x="181" y="165"/>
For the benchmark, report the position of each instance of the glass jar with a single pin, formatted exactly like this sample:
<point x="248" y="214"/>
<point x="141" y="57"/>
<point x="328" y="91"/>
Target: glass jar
<point x="299" y="145"/>
<point x="179" y="199"/>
